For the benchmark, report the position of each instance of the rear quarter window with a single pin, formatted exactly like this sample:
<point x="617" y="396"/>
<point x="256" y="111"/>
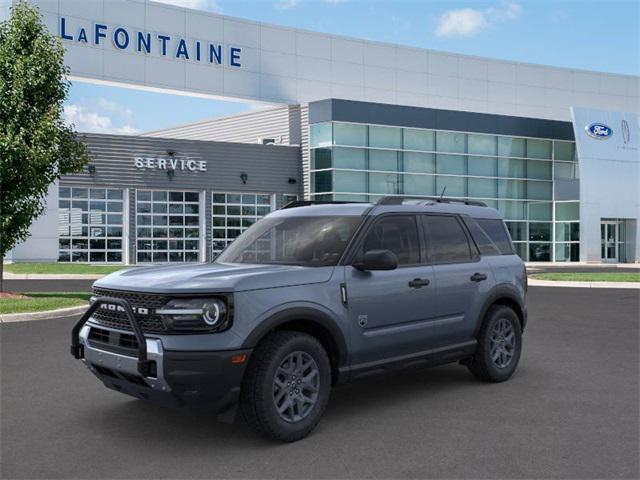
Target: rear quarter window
<point x="497" y="232"/>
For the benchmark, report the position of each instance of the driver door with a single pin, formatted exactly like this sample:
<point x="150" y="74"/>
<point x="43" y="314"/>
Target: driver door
<point x="389" y="311"/>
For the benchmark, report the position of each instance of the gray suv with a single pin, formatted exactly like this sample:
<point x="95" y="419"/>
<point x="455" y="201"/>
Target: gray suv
<point x="313" y="295"/>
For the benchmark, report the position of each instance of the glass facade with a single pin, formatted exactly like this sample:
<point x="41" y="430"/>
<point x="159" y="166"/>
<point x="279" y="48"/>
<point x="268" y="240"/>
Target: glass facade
<point x="90" y="225"/>
<point x="233" y="213"/>
<point x="167" y="226"/>
<point x="361" y="162"/>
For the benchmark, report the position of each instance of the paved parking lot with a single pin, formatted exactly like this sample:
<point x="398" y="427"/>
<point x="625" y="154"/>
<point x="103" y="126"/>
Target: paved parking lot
<point x="571" y="411"/>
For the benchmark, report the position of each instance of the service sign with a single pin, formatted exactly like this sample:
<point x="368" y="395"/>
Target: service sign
<point x="170" y="163"/>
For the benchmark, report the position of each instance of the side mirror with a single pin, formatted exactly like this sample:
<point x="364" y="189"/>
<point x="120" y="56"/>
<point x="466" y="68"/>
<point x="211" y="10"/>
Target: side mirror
<point x="377" y="260"/>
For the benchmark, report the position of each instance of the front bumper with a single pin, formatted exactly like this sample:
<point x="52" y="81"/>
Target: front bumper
<point x="208" y="381"/>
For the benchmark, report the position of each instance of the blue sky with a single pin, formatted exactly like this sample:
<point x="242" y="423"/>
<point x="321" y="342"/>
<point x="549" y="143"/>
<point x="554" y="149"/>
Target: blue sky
<point x="600" y="35"/>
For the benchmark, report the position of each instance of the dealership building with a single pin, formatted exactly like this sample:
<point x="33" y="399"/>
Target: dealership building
<point x="555" y="150"/>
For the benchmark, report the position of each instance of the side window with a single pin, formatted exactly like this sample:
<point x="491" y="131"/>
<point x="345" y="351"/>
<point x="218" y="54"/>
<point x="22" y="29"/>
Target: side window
<point x="447" y="242"/>
<point x="398" y="234"/>
<point x="484" y="243"/>
<point x="497" y="232"/>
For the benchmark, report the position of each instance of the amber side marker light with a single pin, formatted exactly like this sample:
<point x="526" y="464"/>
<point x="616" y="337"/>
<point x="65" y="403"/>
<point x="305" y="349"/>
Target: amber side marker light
<point x="238" y="358"/>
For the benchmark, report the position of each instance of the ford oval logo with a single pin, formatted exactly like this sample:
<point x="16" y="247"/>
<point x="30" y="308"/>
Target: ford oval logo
<point x="599" y="131"/>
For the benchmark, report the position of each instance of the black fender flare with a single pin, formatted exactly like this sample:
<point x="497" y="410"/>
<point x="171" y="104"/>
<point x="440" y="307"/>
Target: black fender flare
<point x="500" y="292"/>
<point x="308" y="314"/>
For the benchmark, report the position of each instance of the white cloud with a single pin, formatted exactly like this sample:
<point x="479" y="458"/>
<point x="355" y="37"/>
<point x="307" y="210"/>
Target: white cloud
<point x="286" y="4"/>
<point x="207" y="5"/>
<point x="105" y="117"/>
<point x="467" y="22"/>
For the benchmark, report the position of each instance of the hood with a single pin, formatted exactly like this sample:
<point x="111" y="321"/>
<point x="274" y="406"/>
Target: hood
<point x="212" y="277"/>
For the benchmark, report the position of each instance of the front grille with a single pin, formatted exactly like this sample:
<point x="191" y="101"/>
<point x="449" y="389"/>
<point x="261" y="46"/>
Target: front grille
<point x="117" y="319"/>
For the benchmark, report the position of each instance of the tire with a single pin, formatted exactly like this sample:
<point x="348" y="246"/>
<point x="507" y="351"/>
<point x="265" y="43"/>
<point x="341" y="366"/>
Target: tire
<point x="499" y="345"/>
<point x="269" y="383"/>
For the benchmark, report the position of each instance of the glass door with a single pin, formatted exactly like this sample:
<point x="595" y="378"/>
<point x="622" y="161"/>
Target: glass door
<point x="609" y="241"/>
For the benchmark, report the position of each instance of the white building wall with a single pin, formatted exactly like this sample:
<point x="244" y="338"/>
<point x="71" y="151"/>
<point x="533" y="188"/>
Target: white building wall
<point x="292" y="66"/>
<point x="609" y="179"/>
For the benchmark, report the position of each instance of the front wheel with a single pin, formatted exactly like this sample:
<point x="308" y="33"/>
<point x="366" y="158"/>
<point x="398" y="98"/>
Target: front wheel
<point x="499" y="345"/>
<point x="287" y="385"/>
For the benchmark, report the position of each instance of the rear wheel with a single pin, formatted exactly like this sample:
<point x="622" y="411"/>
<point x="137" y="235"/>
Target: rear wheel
<point x="287" y="385"/>
<point x="499" y="345"/>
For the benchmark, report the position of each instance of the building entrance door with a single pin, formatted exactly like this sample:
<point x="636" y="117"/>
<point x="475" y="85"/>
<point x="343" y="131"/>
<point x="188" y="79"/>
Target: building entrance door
<point x="609" y="232"/>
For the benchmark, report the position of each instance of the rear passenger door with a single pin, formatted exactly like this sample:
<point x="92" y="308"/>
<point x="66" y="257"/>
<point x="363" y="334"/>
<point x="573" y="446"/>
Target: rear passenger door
<point x="462" y="276"/>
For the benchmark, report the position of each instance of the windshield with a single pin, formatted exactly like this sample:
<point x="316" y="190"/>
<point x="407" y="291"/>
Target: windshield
<point x="305" y="241"/>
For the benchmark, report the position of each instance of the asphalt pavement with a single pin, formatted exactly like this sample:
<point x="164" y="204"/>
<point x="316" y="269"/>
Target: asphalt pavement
<point x="571" y="411"/>
<point x="48" y="285"/>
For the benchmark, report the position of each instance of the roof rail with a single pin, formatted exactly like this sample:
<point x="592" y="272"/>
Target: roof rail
<point x="398" y="200"/>
<point x="306" y="203"/>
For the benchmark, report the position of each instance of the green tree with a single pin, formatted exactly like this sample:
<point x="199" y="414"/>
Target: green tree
<point x="36" y="146"/>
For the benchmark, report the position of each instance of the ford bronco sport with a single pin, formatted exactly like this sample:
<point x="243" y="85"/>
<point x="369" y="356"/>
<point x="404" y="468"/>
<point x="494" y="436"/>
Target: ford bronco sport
<point x="313" y="295"/>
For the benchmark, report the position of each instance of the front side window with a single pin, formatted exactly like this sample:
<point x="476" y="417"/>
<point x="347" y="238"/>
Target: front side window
<point x="398" y="234"/>
<point x="447" y="241"/>
<point x="304" y="241"/>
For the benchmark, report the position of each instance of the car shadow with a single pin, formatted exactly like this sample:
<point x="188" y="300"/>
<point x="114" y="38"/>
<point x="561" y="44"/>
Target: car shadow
<point x="367" y="397"/>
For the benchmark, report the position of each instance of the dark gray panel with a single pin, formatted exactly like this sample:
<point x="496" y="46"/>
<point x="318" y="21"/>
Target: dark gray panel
<point x="566" y="190"/>
<point x="417" y="117"/>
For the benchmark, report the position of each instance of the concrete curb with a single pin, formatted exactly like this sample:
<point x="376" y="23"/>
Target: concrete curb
<point x="51" y="276"/>
<point x="25" y="317"/>
<point x="552" y="283"/>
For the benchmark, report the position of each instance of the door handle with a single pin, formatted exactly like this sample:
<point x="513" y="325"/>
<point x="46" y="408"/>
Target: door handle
<point x="478" y="277"/>
<point x="419" y="282"/>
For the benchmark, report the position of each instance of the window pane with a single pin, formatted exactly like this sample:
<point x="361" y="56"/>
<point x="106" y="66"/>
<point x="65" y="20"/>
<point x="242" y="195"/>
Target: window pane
<point x="540" y="170"/>
<point x="566" y="171"/>
<point x="538" y="149"/>
<point x="483" y="187"/>
<point x="567" y="252"/>
<point x="539" y="232"/>
<point x="451" y="142"/>
<point x="385" y="137"/>
<point x="383" y="183"/>
<point x="453" y="164"/>
<point x="320" y="158"/>
<point x="350" y="134"/>
<point x="567" y="211"/>
<point x="483" y="144"/>
<point x="451" y="186"/>
<point x="483" y="166"/>
<point x="383" y="160"/>
<point x="510" y="147"/>
<point x="511" y="210"/>
<point x="419" y="139"/>
<point x="419" y="185"/>
<point x="511" y="189"/>
<point x="320" y="134"/>
<point x="539" y="190"/>
<point x="350" y="182"/>
<point x="539" y="252"/>
<point x="397" y="234"/>
<point x="321" y="181"/>
<point x="539" y="211"/>
<point x="419" y="162"/>
<point x="564" y="150"/>
<point x="511" y="167"/>
<point x="447" y="240"/>
<point x="567" y="232"/>
<point x="349" y="158"/>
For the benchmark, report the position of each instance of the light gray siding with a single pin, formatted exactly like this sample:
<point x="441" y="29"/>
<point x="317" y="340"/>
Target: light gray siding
<point x="281" y="124"/>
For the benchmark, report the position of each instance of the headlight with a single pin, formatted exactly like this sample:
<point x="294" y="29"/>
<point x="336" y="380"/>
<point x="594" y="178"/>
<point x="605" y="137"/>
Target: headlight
<point x="204" y="314"/>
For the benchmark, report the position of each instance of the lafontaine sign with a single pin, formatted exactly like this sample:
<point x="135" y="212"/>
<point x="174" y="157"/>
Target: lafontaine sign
<point x="171" y="163"/>
<point x="163" y="45"/>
